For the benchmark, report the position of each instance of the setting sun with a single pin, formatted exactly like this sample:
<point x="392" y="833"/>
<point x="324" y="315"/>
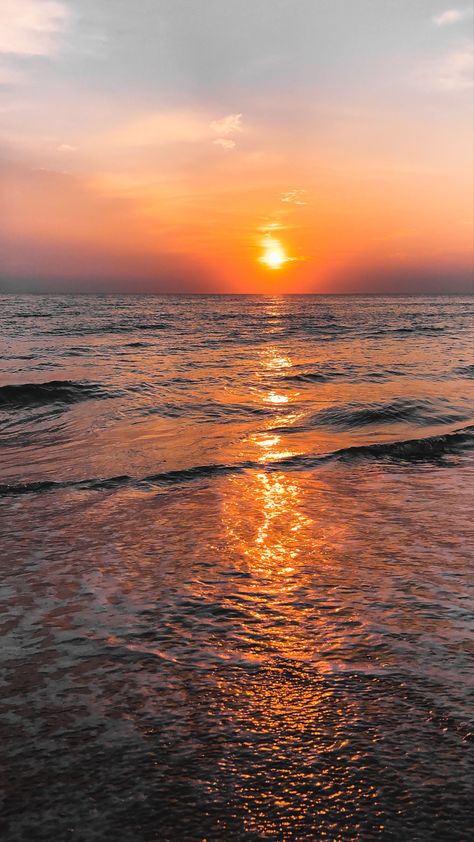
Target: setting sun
<point x="274" y="256"/>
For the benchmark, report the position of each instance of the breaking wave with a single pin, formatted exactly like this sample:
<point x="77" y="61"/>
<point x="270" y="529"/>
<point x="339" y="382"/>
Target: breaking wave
<point x="429" y="449"/>
<point x="353" y="416"/>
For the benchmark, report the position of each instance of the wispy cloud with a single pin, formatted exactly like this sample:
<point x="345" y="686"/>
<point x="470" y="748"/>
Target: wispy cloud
<point x="451" y="72"/>
<point x="32" y="27"/>
<point x="455" y="71"/>
<point x="228" y="125"/>
<point x="180" y="126"/>
<point x="225" y="127"/>
<point x="294" y="197"/>
<point x="451" y="16"/>
<point x="225" y="142"/>
<point x="271" y="226"/>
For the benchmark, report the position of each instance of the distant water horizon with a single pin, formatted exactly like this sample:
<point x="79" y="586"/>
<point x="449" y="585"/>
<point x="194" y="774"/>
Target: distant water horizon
<point x="236" y="567"/>
<point x="229" y="294"/>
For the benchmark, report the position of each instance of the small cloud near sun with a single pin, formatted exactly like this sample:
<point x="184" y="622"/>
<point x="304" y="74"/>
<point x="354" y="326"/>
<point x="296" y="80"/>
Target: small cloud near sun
<point x="294" y="197"/>
<point x="272" y="226"/>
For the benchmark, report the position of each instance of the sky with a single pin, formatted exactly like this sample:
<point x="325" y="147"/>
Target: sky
<point x="267" y="146"/>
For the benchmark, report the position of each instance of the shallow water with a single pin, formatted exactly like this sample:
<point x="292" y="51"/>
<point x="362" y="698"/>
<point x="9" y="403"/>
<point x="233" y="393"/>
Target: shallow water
<point x="237" y="568"/>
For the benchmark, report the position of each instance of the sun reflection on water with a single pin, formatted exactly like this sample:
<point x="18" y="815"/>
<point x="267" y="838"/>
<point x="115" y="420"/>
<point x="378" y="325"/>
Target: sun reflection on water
<point x="269" y="441"/>
<point x="270" y="444"/>
<point x="273" y="398"/>
<point x="268" y="531"/>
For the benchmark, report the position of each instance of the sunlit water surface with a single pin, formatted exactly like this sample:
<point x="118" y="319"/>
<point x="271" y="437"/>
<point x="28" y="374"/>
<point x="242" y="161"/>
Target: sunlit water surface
<point x="236" y="568"/>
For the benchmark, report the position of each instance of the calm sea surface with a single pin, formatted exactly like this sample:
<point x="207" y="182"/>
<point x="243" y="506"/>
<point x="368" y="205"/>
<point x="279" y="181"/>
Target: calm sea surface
<point x="236" y="568"/>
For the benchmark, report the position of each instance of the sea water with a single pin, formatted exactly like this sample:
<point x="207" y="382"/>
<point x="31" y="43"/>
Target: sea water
<point x="236" y="568"/>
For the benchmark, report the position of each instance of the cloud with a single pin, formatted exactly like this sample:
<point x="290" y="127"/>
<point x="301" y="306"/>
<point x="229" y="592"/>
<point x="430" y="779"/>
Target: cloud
<point x="294" y="197"/>
<point x="224" y="142"/>
<point x="179" y="126"/>
<point x="451" y="72"/>
<point x="455" y="70"/>
<point x="227" y="125"/>
<point x="66" y="147"/>
<point x="451" y="16"/>
<point x="32" y="27"/>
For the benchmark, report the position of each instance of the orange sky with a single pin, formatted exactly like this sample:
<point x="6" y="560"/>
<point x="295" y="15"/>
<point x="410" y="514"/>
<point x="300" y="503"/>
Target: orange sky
<point x="292" y="148"/>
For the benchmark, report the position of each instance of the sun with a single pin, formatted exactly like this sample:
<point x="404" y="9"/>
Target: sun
<point x="274" y="256"/>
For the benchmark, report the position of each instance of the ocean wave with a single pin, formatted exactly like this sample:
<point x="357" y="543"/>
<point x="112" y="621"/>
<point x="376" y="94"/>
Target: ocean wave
<point x="429" y="449"/>
<point x="353" y="416"/>
<point x="18" y="356"/>
<point x="405" y="330"/>
<point x="312" y="377"/>
<point x="466" y="371"/>
<point x="151" y="326"/>
<point x="207" y="412"/>
<point x="53" y="391"/>
<point x="34" y="316"/>
<point x="351" y="373"/>
<point x="101" y="329"/>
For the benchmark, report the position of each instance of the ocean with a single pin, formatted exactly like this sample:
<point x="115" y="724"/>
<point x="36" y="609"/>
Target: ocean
<point x="236" y="568"/>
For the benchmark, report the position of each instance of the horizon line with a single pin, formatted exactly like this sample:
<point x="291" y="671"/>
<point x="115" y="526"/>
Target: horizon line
<point x="85" y="294"/>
